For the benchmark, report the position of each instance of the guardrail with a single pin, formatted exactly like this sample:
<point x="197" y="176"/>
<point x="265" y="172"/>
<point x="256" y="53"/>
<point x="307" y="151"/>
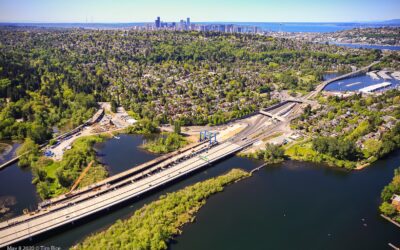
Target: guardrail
<point x="114" y="197"/>
<point x="62" y="136"/>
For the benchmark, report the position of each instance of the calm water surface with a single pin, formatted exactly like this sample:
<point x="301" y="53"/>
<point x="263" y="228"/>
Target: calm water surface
<point x="358" y="82"/>
<point x="292" y="205"/>
<point x="16" y="183"/>
<point x="297" y="206"/>
<point x="264" y="26"/>
<point x="71" y="236"/>
<point x="367" y="46"/>
<point x="124" y="153"/>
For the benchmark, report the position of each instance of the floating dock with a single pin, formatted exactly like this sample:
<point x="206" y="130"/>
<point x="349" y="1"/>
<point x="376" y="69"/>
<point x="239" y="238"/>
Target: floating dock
<point x="396" y="75"/>
<point x="375" y="87"/>
<point x="373" y="75"/>
<point x="384" y="75"/>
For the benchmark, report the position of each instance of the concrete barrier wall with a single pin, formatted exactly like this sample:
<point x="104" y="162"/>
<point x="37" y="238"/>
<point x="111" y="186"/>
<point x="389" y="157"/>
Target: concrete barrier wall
<point x="275" y="106"/>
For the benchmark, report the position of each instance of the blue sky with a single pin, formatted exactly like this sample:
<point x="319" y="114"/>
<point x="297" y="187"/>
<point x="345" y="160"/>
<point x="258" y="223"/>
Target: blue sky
<point x="201" y="10"/>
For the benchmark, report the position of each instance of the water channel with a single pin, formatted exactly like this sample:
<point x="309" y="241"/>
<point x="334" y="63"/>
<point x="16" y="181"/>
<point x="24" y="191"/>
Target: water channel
<point x="367" y="46"/>
<point x="356" y="83"/>
<point x="292" y="205"/>
<point x="16" y="189"/>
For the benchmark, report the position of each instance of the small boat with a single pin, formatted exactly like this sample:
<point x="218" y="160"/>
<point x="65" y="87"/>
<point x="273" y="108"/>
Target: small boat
<point x="117" y="137"/>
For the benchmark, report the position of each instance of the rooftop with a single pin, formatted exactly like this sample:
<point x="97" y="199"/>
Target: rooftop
<point x="375" y="87"/>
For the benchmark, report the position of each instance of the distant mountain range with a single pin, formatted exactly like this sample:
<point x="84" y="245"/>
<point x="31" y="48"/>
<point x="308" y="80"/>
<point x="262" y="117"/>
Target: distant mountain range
<point x="393" y="21"/>
<point x="321" y="27"/>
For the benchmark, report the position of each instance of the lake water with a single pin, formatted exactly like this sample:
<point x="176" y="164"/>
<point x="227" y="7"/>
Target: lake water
<point x="265" y="26"/>
<point x="297" y="206"/>
<point x="113" y="147"/>
<point x="367" y="46"/>
<point x="113" y="153"/>
<point x="296" y="27"/>
<point x="356" y="83"/>
<point x="292" y="205"/>
<point x="16" y="183"/>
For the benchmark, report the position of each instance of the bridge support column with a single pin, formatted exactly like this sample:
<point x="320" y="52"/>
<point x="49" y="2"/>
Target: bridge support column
<point x="204" y="135"/>
<point x="207" y="135"/>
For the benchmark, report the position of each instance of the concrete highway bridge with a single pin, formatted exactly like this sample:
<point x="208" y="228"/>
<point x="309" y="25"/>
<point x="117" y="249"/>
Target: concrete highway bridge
<point x="287" y="108"/>
<point x="280" y="110"/>
<point x="358" y="72"/>
<point x="66" y="209"/>
<point x="96" y="117"/>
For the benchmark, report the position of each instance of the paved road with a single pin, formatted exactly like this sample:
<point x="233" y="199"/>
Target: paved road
<point x="321" y="87"/>
<point x="70" y="209"/>
<point x="135" y="187"/>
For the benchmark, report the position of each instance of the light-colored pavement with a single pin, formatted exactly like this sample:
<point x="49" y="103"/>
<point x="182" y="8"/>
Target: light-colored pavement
<point x="87" y="203"/>
<point x="47" y="221"/>
<point x="108" y="123"/>
<point x="65" y="144"/>
<point x="69" y="210"/>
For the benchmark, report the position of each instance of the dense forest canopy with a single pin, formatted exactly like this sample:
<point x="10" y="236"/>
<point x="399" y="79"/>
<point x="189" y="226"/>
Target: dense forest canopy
<point x="55" y="77"/>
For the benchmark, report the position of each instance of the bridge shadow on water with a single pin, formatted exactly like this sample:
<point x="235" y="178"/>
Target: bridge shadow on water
<point x="68" y="235"/>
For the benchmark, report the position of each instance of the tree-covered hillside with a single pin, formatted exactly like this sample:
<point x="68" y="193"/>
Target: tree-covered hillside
<point x="51" y="77"/>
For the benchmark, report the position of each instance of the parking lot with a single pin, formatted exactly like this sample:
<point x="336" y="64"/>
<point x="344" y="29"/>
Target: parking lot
<point x="108" y="123"/>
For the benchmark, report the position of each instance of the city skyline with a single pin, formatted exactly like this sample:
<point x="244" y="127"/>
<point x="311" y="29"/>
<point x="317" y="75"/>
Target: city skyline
<point x="123" y="11"/>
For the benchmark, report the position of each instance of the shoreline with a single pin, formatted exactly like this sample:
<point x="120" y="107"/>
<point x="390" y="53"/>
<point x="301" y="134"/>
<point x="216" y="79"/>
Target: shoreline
<point x="361" y="167"/>
<point x="7" y="148"/>
<point x="193" y="197"/>
<point x="332" y="165"/>
<point x="390" y="220"/>
<point x="362" y="44"/>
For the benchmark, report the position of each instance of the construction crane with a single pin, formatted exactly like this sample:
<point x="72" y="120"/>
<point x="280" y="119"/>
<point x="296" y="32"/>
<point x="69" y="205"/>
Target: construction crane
<point x="76" y="183"/>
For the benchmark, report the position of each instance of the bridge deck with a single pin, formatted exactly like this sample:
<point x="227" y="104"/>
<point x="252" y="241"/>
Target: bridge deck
<point x="321" y="87"/>
<point x="50" y="219"/>
<point x="273" y="116"/>
<point x="164" y="159"/>
<point x="108" y="195"/>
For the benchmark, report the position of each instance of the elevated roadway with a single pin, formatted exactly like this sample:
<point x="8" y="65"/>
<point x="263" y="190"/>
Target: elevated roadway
<point x="141" y="179"/>
<point x="323" y="85"/>
<point x="130" y="184"/>
<point x="290" y="112"/>
<point x="132" y="187"/>
<point x="279" y="111"/>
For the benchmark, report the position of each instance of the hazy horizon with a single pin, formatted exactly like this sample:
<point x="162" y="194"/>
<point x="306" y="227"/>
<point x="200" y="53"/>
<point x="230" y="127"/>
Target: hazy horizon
<point x="210" y="21"/>
<point x="124" y="11"/>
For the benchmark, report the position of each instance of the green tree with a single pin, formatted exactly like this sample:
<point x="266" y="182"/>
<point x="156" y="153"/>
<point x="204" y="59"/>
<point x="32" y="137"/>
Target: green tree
<point x="307" y="110"/>
<point x="43" y="189"/>
<point x="4" y="85"/>
<point x="273" y="153"/>
<point x="114" y="106"/>
<point x="38" y="133"/>
<point x="28" y="153"/>
<point x="177" y="127"/>
<point x="144" y="126"/>
<point x="65" y="177"/>
<point x="337" y="148"/>
<point x="387" y="209"/>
